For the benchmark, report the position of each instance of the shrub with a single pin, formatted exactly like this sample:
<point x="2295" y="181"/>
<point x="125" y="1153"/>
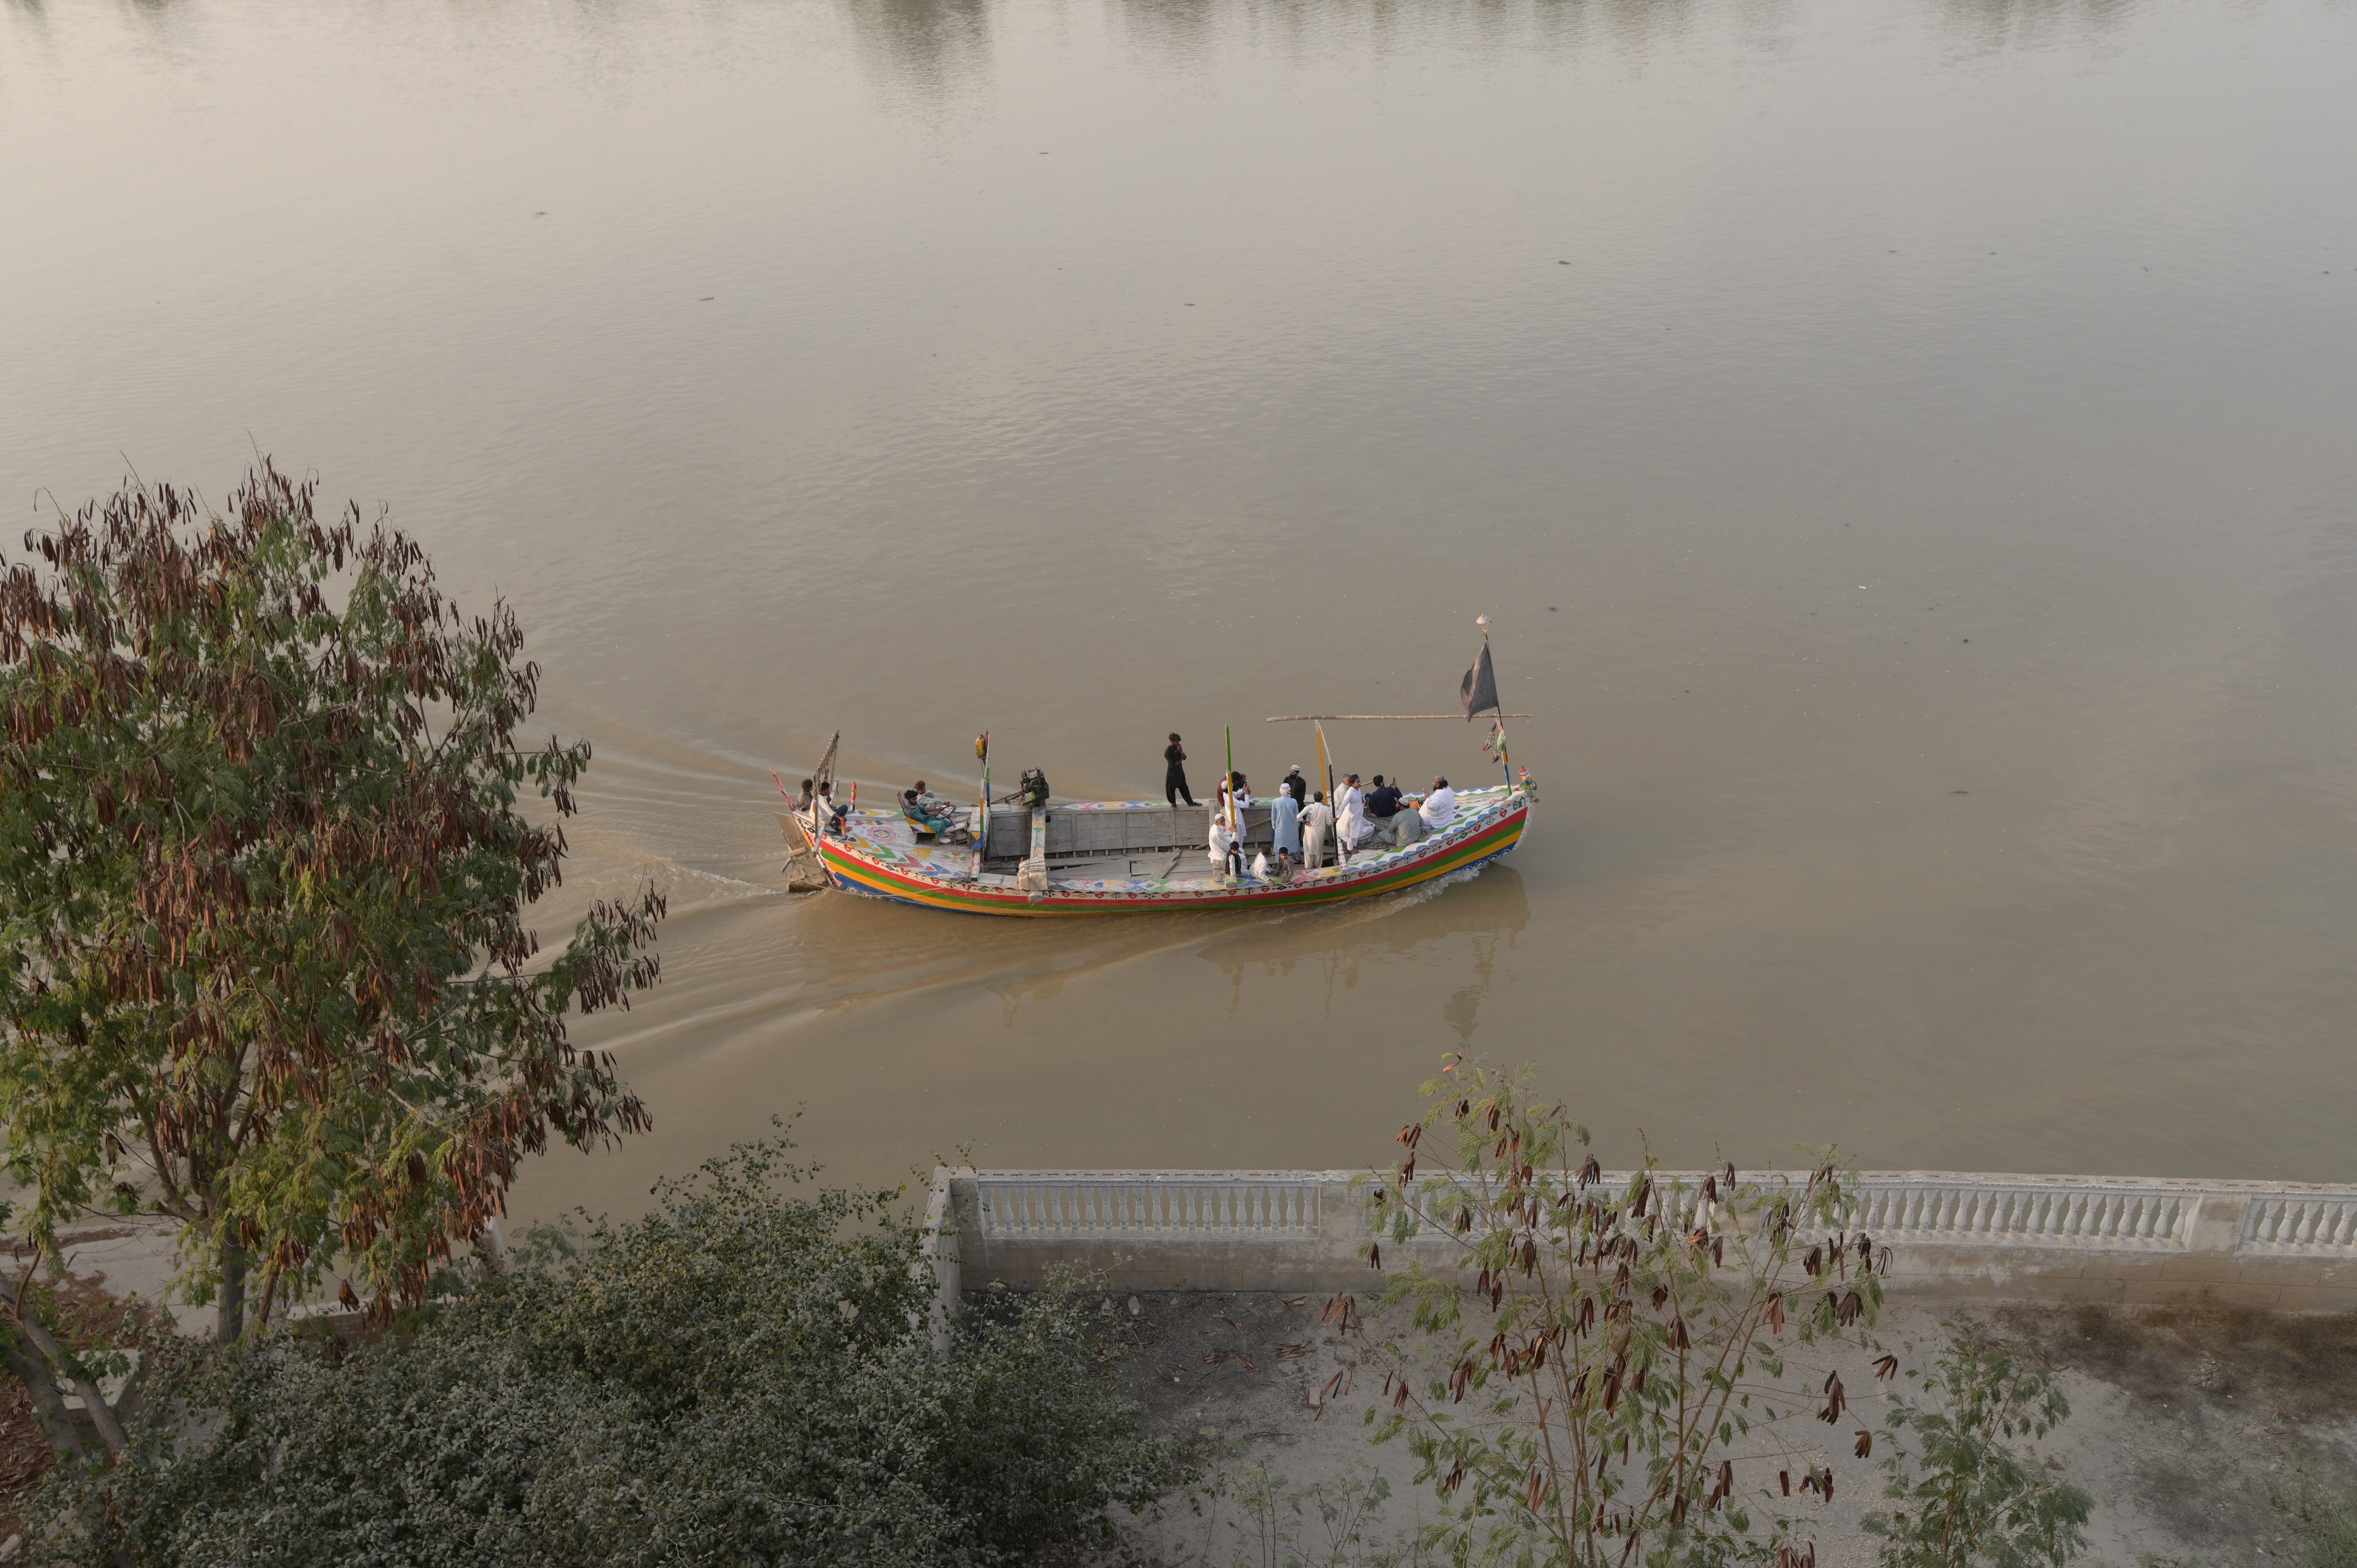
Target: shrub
<point x="1622" y="1345"/>
<point x="1967" y="1499"/>
<point x="2322" y="1522"/>
<point x="744" y="1376"/>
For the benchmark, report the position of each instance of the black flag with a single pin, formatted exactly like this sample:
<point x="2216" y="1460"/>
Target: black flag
<point x="1479" y="689"/>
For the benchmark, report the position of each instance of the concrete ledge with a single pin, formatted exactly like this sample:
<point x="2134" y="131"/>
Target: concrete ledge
<point x="1978" y="1236"/>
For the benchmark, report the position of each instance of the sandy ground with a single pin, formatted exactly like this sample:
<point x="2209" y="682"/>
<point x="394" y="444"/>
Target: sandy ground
<point x="2183" y="1422"/>
<point x="130" y="1259"/>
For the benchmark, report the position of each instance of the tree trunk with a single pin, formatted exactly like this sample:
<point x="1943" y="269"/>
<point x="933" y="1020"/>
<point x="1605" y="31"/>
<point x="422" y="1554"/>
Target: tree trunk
<point x="42" y="1384"/>
<point x="94" y="1403"/>
<point x="229" y="1322"/>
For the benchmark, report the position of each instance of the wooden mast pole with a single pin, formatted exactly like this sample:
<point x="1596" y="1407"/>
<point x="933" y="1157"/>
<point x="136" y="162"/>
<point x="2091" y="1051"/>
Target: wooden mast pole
<point x="982" y="812"/>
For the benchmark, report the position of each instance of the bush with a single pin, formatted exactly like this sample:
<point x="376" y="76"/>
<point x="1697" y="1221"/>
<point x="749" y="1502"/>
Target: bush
<point x="1621" y="1345"/>
<point x="744" y="1375"/>
<point x="2323" y="1522"/>
<point x="1966" y="1498"/>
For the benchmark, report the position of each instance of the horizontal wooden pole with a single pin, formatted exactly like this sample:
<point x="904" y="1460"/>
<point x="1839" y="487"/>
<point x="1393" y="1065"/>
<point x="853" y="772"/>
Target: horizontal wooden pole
<point x="1338" y="718"/>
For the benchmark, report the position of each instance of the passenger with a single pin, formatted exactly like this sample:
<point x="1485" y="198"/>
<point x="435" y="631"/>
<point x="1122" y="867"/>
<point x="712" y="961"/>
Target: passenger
<point x="1317" y="820"/>
<point x="1260" y="866"/>
<point x="928" y="811"/>
<point x="803" y="800"/>
<point x="1285" y="826"/>
<point x="1240" y="789"/>
<point x="1350" y="826"/>
<point x="831" y="813"/>
<point x="1407" y="826"/>
<point x="1295" y="785"/>
<point x="1222" y="844"/>
<point x="1439" y="808"/>
<point x="1174" y="773"/>
<point x="1382" y="805"/>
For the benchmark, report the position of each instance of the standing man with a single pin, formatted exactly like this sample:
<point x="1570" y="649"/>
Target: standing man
<point x="1317" y="821"/>
<point x="1295" y="785"/>
<point x="1174" y="779"/>
<point x="1284" y="827"/>
<point x="1350" y="818"/>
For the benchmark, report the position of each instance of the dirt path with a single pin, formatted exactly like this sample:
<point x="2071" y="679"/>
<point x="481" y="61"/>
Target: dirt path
<point x="2184" y="1423"/>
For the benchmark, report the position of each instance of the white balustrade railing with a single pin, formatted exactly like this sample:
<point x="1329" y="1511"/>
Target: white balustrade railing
<point x="2266" y="1244"/>
<point x="2026" y="1214"/>
<point x="1227" y="1207"/>
<point x="1929" y="1208"/>
<point x="2300" y="1225"/>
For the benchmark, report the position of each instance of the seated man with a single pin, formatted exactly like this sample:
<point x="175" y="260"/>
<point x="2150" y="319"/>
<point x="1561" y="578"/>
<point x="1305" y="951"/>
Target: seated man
<point x="929" y="812"/>
<point x="946" y="810"/>
<point x="831" y="812"/>
<point x="1226" y="852"/>
<point x="1439" y="808"/>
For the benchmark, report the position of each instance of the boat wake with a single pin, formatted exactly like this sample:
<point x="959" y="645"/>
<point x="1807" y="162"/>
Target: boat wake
<point x="1383" y="906"/>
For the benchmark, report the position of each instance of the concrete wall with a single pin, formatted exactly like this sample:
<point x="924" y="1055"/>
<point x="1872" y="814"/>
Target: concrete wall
<point x="2274" y="1245"/>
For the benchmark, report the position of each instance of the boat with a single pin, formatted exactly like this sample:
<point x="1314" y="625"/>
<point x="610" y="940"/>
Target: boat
<point x="1029" y="854"/>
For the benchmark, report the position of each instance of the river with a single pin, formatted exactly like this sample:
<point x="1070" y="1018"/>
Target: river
<point x="1905" y="449"/>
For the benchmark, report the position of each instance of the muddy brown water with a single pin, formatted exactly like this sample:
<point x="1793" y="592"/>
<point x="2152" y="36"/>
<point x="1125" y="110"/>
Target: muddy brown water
<point x="1905" y="449"/>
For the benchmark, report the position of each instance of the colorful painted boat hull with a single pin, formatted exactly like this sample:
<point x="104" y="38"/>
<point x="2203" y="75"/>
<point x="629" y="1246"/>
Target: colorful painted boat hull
<point x="1493" y="829"/>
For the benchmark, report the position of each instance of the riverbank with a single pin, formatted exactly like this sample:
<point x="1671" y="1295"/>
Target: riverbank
<point x="2185" y="1422"/>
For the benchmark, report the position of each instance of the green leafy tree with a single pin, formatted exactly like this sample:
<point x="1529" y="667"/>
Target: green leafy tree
<point x="1966" y="1498"/>
<point x="264" y="881"/>
<point x="1609" y="1352"/>
<point x="746" y="1375"/>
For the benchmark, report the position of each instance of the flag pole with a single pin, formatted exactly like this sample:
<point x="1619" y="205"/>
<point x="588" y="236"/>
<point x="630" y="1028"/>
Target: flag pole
<point x="1498" y="720"/>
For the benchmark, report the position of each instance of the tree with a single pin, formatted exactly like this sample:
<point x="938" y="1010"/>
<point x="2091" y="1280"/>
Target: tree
<point x="264" y="879"/>
<point x="1639" y="1338"/>
<point x="745" y="1375"/>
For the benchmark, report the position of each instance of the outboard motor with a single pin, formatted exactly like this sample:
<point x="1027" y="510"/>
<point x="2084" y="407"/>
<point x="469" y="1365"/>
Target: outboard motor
<point x="1033" y="792"/>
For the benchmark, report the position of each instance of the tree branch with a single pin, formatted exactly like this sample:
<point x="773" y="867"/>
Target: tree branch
<point x="67" y="1366"/>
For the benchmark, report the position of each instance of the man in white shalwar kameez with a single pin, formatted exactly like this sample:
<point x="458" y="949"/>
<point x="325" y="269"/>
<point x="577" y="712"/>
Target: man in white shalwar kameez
<point x="1439" y="808"/>
<point x="1316" y="819"/>
<point x="1350" y="817"/>
<point x="1223" y="844"/>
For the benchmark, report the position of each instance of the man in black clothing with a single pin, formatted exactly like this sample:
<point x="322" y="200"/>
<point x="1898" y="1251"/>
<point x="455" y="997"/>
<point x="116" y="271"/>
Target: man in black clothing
<point x="1174" y="781"/>
<point x="1383" y="801"/>
<point x="1295" y="785"/>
